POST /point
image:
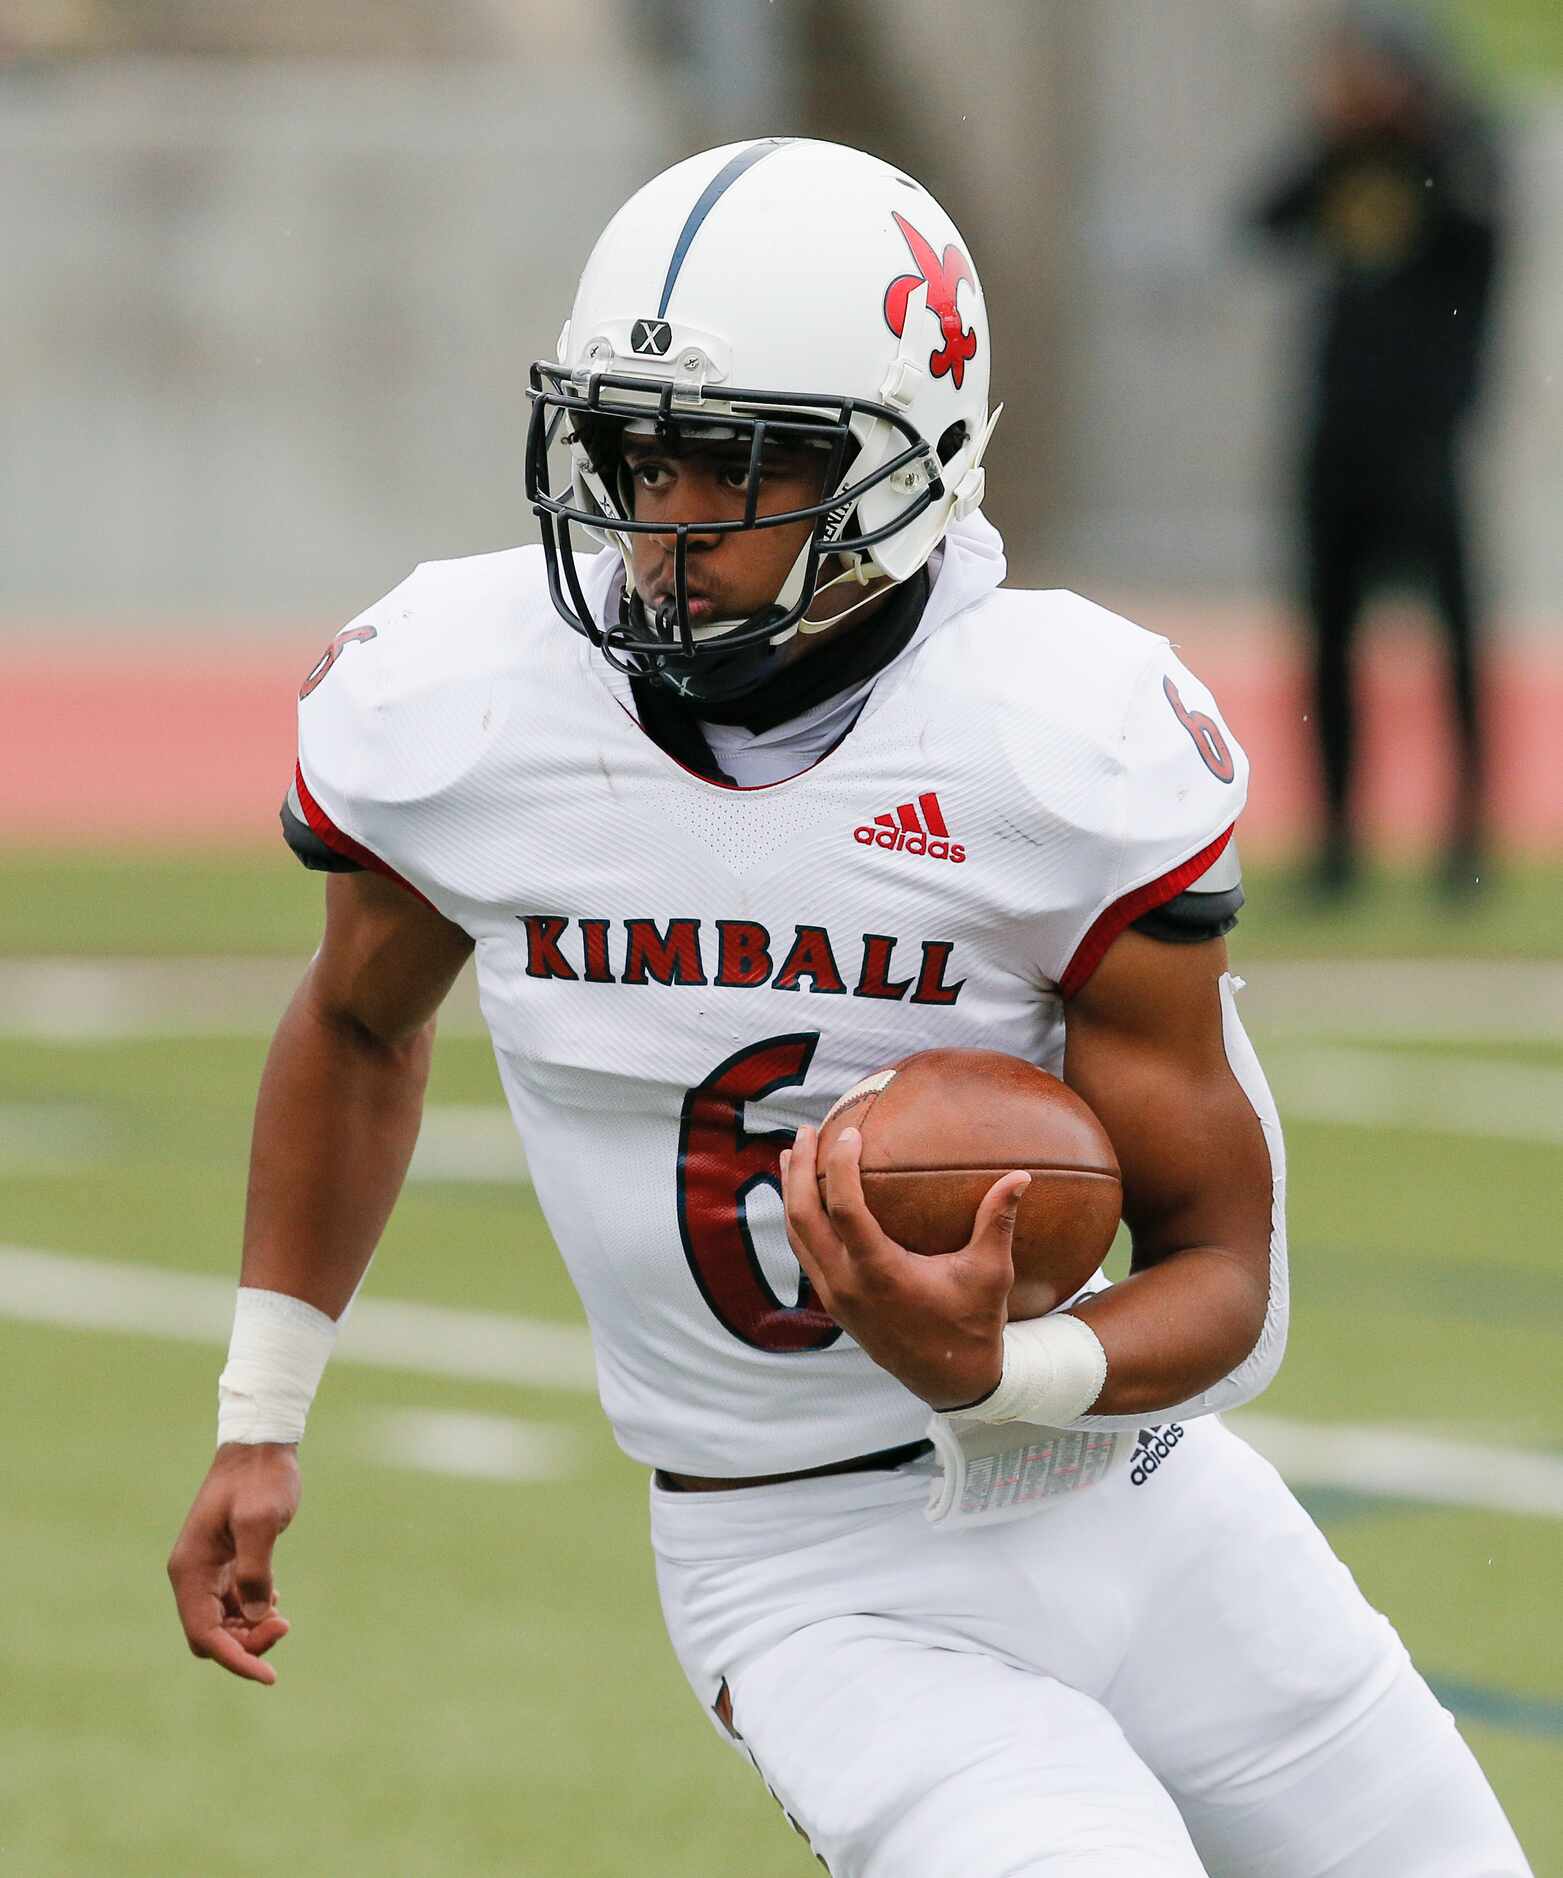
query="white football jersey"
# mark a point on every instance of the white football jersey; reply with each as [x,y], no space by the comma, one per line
[676,973]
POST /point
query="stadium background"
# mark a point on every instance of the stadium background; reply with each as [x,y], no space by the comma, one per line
[273,277]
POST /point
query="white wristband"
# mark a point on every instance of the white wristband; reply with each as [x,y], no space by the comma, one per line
[1054,1369]
[276,1358]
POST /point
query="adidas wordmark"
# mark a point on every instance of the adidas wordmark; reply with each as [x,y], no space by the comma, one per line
[903,831]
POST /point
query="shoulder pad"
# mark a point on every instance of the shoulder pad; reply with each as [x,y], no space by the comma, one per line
[399,718]
[1130,754]
[306,844]
[1207,909]
[1191,917]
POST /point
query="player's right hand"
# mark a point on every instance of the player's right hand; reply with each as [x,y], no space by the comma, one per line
[220,1566]
[936,1324]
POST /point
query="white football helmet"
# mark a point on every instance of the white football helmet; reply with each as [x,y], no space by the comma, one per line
[780,288]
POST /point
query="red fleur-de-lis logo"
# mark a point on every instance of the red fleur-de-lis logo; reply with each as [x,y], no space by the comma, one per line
[942,278]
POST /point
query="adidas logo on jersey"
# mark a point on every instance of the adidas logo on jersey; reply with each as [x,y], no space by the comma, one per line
[1152,1448]
[904,831]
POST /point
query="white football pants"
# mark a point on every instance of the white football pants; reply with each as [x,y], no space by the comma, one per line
[1153,1680]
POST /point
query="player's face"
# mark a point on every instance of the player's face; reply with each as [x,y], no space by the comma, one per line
[730,576]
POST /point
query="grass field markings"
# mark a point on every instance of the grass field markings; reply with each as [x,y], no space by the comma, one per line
[1345,1086]
[1449,1000]
[1397,1464]
[1498,1708]
[476,1142]
[459,1142]
[1466,1291]
[1384,1089]
[487,1346]
[190,1307]
[1342,1086]
[468,1141]
[1455,999]
[50,1137]
[55,1000]
[1334,1507]
[473,1447]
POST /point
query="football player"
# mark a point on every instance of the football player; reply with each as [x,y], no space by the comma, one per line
[805,788]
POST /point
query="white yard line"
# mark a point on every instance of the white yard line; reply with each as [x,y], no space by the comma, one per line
[57,1000]
[468,1142]
[91,1000]
[1426,1094]
[434,1340]
[458,1142]
[1441,1000]
[1391,1461]
[188,1307]
[1348,1087]
[473,1447]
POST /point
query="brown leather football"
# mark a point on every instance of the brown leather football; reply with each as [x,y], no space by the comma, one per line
[940,1127]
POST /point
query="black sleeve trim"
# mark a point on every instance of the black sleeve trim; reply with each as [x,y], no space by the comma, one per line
[308,846]
[1191,917]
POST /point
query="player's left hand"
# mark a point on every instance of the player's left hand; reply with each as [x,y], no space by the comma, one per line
[936,1324]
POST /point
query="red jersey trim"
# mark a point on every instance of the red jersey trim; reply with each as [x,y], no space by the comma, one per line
[1092,949]
[322,825]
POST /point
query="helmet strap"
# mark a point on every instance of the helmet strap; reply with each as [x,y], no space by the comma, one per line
[806,682]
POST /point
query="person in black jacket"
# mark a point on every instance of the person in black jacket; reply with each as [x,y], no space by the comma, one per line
[1399,194]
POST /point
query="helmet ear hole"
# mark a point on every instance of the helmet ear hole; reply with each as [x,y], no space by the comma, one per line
[952,440]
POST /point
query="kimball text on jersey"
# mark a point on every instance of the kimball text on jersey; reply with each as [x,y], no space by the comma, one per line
[739,954]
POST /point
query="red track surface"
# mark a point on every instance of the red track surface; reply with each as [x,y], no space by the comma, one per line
[156,742]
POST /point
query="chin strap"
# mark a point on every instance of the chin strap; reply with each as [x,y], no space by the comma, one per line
[877,583]
[966,496]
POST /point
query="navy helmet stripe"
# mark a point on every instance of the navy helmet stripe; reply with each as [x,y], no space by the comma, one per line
[718,186]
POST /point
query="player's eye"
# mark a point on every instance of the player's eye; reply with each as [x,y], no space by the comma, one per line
[650,474]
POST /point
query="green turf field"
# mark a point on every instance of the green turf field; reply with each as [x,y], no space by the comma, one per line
[477,1681]
[82,905]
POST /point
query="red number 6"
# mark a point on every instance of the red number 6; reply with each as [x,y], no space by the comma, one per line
[720,1163]
[1214,750]
[348,636]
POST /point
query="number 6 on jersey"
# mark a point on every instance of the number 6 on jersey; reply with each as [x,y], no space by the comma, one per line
[720,1163]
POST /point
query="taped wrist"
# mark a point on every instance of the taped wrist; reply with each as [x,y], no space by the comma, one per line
[1054,1369]
[276,1357]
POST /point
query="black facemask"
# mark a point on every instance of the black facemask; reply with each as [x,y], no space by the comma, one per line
[596,414]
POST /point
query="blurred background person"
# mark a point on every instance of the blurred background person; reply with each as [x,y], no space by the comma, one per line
[1399,192]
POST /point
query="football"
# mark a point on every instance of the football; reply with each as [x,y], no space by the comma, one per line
[940,1127]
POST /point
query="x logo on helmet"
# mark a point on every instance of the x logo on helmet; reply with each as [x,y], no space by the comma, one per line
[653,336]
